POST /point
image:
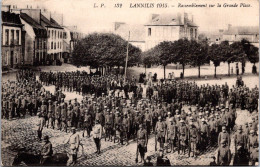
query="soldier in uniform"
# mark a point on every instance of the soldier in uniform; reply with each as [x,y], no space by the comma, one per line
[87,123]
[204,134]
[223,154]
[126,123]
[253,147]
[148,121]
[142,141]
[224,136]
[40,126]
[193,139]
[74,146]
[108,125]
[97,135]
[183,135]
[63,119]
[171,133]
[160,132]
[46,152]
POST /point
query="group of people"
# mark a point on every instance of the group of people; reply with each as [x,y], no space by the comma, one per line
[122,112]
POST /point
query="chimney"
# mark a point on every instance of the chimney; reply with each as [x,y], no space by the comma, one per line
[6,8]
[117,25]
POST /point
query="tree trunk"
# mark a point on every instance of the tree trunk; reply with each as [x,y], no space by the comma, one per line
[215,72]
[199,71]
[228,69]
[183,66]
[145,69]
[164,71]
[102,70]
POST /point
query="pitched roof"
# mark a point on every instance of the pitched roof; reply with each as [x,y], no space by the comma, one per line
[169,20]
[137,32]
[39,30]
[50,23]
[165,19]
[11,19]
[242,30]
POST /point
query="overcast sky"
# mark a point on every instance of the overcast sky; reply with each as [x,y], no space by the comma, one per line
[88,19]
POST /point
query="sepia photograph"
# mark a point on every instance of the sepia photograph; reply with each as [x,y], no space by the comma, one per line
[129,83]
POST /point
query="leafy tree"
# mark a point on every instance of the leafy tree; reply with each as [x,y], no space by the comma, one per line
[182,52]
[226,52]
[253,54]
[199,54]
[215,56]
[104,49]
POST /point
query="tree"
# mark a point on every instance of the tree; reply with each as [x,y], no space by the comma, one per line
[215,56]
[182,52]
[199,54]
[226,52]
[253,54]
[104,50]
[150,58]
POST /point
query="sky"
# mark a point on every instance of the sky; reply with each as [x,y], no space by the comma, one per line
[89,19]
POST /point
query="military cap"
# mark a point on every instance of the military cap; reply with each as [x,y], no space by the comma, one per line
[252,131]
[203,120]
[181,120]
[159,117]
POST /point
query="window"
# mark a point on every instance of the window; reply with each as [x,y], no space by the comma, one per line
[16,58]
[52,34]
[55,34]
[191,33]
[38,43]
[51,45]
[58,33]
[6,37]
[149,31]
[49,33]
[196,33]
[44,44]
[58,45]
[54,45]
[12,37]
[17,37]
[61,35]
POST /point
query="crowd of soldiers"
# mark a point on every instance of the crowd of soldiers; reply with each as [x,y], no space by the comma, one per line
[130,112]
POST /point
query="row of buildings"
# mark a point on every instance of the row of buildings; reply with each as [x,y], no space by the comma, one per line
[171,27]
[35,37]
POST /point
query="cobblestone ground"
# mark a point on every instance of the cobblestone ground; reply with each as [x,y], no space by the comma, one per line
[21,133]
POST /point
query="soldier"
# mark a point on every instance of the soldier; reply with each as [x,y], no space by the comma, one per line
[183,135]
[87,123]
[74,142]
[97,135]
[142,141]
[46,152]
[108,125]
[171,133]
[224,136]
[193,139]
[223,154]
[204,134]
[160,132]
[63,119]
[253,148]
[40,126]
[148,121]
[126,123]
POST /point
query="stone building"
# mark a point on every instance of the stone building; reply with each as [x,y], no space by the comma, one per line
[169,27]
[12,33]
[237,33]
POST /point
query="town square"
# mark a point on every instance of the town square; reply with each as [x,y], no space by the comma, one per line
[171,90]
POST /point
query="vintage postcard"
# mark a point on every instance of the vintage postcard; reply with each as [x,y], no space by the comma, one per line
[129,82]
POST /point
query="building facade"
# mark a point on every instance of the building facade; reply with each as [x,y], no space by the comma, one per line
[169,28]
[136,36]
[237,33]
[12,31]
[71,38]
[35,40]
[54,39]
